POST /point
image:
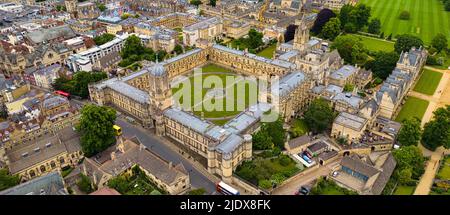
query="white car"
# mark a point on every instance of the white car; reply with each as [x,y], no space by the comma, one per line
[335,173]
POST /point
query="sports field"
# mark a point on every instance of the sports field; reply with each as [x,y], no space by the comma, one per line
[428,82]
[413,107]
[217,103]
[428,17]
[376,44]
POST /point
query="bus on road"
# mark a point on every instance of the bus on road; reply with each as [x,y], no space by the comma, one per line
[62,93]
[226,189]
[118,130]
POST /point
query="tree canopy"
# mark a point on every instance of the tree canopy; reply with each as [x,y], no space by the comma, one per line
[96,128]
[322,18]
[410,132]
[3,110]
[437,131]
[374,26]
[406,41]
[404,15]
[195,2]
[271,134]
[7,180]
[78,85]
[410,157]
[104,38]
[331,29]
[319,115]
[439,42]
[350,49]
[383,64]
[101,7]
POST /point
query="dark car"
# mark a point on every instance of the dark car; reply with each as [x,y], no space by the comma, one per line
[302,191]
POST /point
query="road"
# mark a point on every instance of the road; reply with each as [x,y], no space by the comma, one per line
[155,144]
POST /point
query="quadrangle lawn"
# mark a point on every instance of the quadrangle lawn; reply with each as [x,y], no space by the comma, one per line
[428,82]
[428,17]
[413,107]
[404,190]
[444,172]
[375,44]
[267,52]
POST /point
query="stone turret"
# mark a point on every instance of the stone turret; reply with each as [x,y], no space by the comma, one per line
[160,95]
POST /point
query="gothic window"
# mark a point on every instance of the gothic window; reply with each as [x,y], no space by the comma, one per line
[61,160]
[42,168]
[32,173]
[53,164]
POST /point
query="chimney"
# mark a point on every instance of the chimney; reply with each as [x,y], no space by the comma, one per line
[170,165]
[113,155]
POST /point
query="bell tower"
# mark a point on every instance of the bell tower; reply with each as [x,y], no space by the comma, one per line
[301,36]
[160,95]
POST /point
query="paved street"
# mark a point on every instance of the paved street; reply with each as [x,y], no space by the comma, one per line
[156,145]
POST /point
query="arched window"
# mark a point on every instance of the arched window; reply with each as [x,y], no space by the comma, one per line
[61,160]
[32,174]
[53,164]
[43,169]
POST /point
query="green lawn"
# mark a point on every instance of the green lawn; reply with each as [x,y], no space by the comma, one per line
[226,105]
[413,107]
[428,17]
[404,190]
[444,172]
[329,187]
[267,52]
[428,82]
[376,44]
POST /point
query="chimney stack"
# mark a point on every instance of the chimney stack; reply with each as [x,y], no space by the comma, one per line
[170,165]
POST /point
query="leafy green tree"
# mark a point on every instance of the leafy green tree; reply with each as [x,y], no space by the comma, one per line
[277,132]
[374,26]
[447,5]
[322,18]
[389,37]
[266,184]
[350,49]
[3,110]
[382,35]
[331,29]
[350,28]
[437,132]
[360,16]
[439,42]
[133,46]
[178,49]
[410,157]
[104,38]
[61,8]
[319,115]
[410,132]
[384,63]
[344,14]
[254,39]
[212,3]
[101,7]
[96,128]
[404,176]
[195,2]
[125,16]
[405,42]
[82,79]
[7,180]
[262,140]
[404,15]
[85,184]
[349,88]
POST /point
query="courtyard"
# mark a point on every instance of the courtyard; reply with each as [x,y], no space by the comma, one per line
[376,44]
[221,94]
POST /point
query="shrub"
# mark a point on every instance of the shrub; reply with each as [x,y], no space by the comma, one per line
[404,15]
[284,160]
[85,184]
[266,184]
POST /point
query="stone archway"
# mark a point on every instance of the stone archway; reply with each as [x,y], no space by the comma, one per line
[346,153]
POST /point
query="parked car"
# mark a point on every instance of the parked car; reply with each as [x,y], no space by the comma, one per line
[335,173]
[303,191]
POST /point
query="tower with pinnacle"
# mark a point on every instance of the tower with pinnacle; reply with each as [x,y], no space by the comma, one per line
[301,36]
[160,95]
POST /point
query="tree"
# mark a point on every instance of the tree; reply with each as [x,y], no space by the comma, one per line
[85,184]
[360,16]
[374,26]
[404,176]
[389,37]
[262,141]
[319,115]
[195,2]
[439,42]
[3,110]
[7,180]
[349,88]
[405,42]
[277,132]
[344,14]
[350,28]
[447,5]
[410,132]
[322,18]
[382,35]
[404,15]
[350,49]
[332,29]
[61,8]
[212,3]
[104,38]
[96,128]
[101,7]
[178,49]
[437,132]
[125,16]
[410,157]
[254,39]
[133,46]
[384,63]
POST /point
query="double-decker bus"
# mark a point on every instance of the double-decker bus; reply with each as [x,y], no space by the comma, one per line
[226,189]
[62,93]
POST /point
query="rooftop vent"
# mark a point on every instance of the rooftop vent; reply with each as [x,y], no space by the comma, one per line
[25,154]
[36,149]
[48,145]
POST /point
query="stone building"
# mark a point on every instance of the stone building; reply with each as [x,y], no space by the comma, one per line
[128,153]
[210,30]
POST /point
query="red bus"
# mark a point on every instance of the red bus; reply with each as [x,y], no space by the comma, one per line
[226,189]
[62,93]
